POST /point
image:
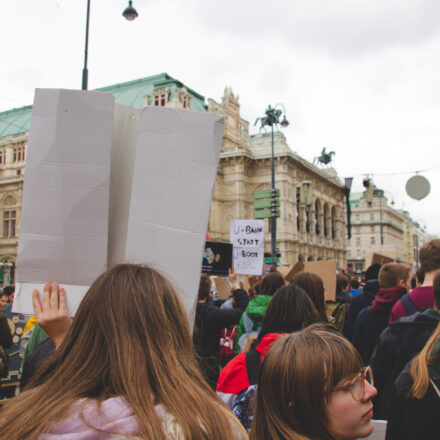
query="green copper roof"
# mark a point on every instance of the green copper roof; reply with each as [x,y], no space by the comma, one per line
[18,120]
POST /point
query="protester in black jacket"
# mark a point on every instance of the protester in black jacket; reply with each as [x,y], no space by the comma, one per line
[416,396]
[362,300]
[209,322]
[398,344]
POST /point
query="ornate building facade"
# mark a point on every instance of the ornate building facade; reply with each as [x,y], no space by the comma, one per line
[377,227]
[306,230]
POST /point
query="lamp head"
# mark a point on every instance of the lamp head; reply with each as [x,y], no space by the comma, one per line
[284,122]
[129,12]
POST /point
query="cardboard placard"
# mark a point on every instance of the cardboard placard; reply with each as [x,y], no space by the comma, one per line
[381,259]
[297,268]
[155,167]
[326,269]
[217,258]
[222,286]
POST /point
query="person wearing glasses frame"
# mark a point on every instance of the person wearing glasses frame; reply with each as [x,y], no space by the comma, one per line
[312,385]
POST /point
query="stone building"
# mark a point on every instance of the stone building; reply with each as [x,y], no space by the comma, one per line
[377,227]
[305,232]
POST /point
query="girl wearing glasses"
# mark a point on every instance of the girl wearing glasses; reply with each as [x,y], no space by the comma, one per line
[312,386]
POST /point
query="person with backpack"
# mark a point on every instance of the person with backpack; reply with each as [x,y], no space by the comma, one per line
[363,299]
[397,345]
[124,368]
[394,281]
[210,322]
[416,396]
[421,298]
[252,318]
[289,310]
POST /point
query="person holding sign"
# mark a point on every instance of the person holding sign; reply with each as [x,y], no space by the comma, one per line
[209,322]
[124,368]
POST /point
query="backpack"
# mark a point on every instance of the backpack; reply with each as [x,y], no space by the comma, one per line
[252,329]
[253,362]
[227,340]
[408,305]
[338,315]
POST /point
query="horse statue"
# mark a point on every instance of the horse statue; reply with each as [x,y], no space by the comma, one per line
[325,158]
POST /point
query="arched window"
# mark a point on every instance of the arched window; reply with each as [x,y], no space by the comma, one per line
[326,213]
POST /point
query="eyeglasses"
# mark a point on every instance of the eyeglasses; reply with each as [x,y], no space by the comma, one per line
[357,385]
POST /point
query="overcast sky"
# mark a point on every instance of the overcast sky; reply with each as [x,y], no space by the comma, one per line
[361,78]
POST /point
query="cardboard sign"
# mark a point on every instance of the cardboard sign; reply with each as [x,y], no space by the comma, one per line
[326,269]
[217,258]
[247,237]
[297,268]
[381,259]
[65,206]
[106,184]
[222,286]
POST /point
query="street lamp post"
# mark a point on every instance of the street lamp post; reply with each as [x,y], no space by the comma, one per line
[272,119]
[129,13]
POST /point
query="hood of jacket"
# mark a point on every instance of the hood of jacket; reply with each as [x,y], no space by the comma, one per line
[267,341]
[257,306]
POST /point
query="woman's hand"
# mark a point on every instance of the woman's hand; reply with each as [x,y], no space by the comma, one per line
[51,312]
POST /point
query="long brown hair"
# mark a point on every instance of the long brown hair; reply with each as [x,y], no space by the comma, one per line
[314,287]
[130,337]
[289,310]
[297,377]
[419,367]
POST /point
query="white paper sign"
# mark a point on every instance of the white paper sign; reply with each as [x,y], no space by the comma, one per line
[247,237]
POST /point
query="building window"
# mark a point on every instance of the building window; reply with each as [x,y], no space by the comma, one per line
[2,156]
[372,229]
[358,254]
[348,254]
[358,230]
[372,217]
[19,153]
[372,240]
[241,130]
[358,218]
[9,224]
[358,241]
[160,100]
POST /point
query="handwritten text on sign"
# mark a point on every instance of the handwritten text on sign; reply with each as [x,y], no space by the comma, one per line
[247,237]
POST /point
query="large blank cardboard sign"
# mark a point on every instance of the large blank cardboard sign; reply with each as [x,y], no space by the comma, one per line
[107,184]
[326,269]
[174,175]
[64,223]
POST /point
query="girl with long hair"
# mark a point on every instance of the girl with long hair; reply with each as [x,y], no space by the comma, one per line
[416,396]
[312,386]
[313,285]
[289,310]
[125,369]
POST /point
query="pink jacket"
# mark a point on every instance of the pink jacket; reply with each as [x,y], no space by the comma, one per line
[86,421]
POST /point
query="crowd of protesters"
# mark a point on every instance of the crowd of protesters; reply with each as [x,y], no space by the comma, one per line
[275,361]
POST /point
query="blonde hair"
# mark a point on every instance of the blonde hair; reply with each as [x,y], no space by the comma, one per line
[419,367]
[130,338]
[297,377]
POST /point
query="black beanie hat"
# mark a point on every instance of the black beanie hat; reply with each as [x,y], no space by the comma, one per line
[372,272]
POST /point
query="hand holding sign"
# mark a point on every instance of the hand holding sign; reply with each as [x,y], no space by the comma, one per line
[51,312]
